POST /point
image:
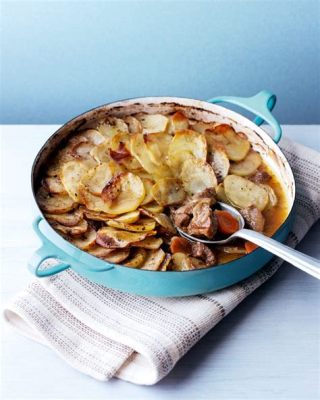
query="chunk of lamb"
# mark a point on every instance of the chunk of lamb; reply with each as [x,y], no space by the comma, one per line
[254,218]
[204,222]
[197,250]
[260,177]
[200,250]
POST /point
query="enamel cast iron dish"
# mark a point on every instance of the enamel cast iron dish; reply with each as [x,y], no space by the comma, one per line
[162,282]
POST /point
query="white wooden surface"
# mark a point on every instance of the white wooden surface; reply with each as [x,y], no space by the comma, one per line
[268,348]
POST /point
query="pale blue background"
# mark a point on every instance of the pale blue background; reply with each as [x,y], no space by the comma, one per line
[61,58]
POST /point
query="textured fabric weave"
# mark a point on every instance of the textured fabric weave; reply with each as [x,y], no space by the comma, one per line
[105,333]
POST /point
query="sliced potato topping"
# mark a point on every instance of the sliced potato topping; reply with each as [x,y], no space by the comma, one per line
[244,193]
[168,191]
[54,185]
[71,174]
[75,230]
[129,218]
[247,166]
[54,203]
[152,123]
[119,189]
[219,161]
[185,144]
[139,150]
[145,225]
[139,255]
[153,260]
[112,238]
[97,178]
[117,256]
[86,241]
[197,175]
[178,122]
[68,219]
[150,243]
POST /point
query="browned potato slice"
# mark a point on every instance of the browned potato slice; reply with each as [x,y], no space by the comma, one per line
[129,218]
[197,176]
[96,178]
[133,124]
[94,136]
[130,196]
[71,174]
[118,123]
[147,183]
[96,215]
[81,150]
[101,152]
[150,243]
[70,219]
[153,123]
[272,197]
[118,139]
[238,147]
[137,259]
[221,195]
[244,193]
[181,262]
[76,230]
[112,238]
[178,122]
[131,164]
[162,219]
[157,146]
[168,191]
[54,185]
[139,150]
[220,163]
[111,126]
[117,256]
[107,130]
[99,251]
[153,207]
[165,263]
[247,166]
[86,241]
[202,127]
[186,144]
[145,225]
[153,260]
[54,204]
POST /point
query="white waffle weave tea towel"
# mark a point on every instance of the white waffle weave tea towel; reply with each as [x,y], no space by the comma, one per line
[105,333]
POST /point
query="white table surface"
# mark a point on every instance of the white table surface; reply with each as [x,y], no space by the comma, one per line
[268,348]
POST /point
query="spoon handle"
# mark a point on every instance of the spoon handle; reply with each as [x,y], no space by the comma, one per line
[306,263]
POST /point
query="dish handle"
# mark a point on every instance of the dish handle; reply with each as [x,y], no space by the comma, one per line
[46,251]
[50,250]
[261,105]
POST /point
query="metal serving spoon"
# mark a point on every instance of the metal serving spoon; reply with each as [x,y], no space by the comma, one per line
[306,263]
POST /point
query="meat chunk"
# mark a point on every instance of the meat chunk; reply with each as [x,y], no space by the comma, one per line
[204,222]
[200,250]
[260,177]
[181,219]
[253,218]
[197,250]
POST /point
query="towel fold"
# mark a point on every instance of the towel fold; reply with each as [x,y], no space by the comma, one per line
[105,333]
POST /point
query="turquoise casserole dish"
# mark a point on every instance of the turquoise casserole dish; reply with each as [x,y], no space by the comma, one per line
[166,283]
